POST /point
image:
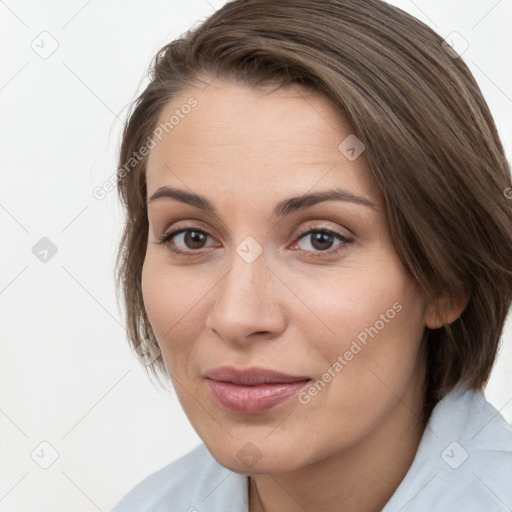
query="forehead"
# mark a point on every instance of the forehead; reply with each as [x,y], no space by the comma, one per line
[235,138]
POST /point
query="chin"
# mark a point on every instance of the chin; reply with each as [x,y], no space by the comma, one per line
[250,461]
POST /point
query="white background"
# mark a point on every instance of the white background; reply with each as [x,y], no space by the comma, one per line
[67,376]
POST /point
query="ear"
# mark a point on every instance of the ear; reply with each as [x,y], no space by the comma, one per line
[444,310]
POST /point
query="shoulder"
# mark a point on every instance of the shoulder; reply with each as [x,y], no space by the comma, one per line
[189,483]
[464,460]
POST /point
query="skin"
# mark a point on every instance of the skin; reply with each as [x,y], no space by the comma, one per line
[245,150]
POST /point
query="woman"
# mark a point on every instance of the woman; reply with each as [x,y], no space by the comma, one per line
[317,248]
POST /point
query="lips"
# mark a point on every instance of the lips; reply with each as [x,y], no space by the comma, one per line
[252,390]
[252,376]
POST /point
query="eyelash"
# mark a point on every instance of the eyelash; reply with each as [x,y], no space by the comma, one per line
[166,238]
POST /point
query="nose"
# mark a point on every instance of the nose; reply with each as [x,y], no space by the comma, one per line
[247,303]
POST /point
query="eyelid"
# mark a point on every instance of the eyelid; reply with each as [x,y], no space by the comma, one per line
[304,230]
[191,224]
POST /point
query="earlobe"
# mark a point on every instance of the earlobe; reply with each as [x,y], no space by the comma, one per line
[444,310]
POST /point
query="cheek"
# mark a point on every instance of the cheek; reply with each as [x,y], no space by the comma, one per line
[376,318]
[169,299]
[375,313]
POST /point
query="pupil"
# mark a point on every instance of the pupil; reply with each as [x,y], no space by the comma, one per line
[193,239]
[320,239]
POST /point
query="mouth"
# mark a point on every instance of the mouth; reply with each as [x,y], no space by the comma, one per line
[252,390]
[252,376]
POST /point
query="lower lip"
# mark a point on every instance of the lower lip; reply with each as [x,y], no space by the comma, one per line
[252,399]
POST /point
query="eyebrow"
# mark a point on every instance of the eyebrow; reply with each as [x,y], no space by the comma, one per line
[284,207]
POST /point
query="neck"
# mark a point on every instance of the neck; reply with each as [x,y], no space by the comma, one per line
[362,478]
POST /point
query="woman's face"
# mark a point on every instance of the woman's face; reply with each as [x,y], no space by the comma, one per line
[314,289]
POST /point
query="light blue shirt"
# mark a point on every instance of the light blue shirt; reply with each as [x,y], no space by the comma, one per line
[463,463]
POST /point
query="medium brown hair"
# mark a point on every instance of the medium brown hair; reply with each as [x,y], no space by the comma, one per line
[430,139]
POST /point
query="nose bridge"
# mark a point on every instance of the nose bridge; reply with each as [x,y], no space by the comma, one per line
[244,285]
[246,279]
[243,298]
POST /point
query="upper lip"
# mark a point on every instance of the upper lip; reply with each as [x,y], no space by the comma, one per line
[251,376]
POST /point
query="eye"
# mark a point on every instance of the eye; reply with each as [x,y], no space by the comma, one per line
[191,238]
[321,241]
